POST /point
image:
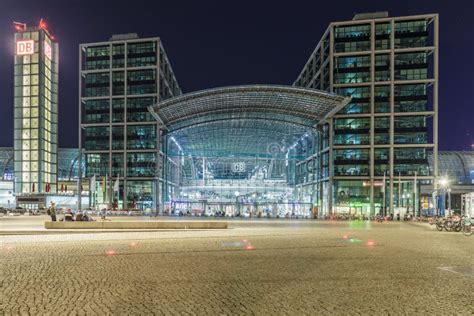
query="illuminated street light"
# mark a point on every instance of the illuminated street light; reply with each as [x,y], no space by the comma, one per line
[443,182]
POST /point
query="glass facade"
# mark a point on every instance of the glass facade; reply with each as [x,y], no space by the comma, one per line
[391,109]
[35,112]
[387,67]
[119,81]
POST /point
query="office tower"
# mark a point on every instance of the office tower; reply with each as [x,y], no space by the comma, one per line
[378,144]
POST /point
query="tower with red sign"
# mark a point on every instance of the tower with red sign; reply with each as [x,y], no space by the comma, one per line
[35,112]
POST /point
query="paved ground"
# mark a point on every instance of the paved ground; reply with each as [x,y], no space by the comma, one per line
[257,267]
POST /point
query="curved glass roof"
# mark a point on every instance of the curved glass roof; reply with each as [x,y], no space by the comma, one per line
[67,167]
[6,163]
[458,166]
[300,106]
[254,120]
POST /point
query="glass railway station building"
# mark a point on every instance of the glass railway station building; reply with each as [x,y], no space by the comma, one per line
[458,167]
[352,135]
[355,133]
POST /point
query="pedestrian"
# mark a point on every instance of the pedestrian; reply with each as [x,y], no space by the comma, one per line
[52,211]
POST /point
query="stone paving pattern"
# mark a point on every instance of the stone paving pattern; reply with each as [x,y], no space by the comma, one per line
[259,268]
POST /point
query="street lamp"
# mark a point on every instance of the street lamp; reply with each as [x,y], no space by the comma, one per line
[449,201]
[444,183]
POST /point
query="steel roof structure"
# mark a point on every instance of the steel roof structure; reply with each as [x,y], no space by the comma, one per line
[458,166]
[67,163]
[244,120]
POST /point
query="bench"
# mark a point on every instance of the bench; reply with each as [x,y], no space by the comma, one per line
[137,225]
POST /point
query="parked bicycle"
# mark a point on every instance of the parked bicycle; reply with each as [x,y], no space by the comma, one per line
[440,223]
[453,223]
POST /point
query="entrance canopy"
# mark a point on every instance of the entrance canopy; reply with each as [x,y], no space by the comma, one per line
[244,120]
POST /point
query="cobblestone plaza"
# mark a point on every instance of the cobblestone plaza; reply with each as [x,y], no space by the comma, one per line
[254,267]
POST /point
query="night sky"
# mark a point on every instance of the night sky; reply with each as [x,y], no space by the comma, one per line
[221,43]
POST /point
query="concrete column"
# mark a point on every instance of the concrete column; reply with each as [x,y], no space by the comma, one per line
[392,110]
[156,197]
[79,157]
[435,99]
[331,166]
[109,198]
[372,119]
[331,133]
[125,106]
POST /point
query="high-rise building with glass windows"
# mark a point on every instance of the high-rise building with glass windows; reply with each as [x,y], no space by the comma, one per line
[389,66]
[35,112]
[119,80]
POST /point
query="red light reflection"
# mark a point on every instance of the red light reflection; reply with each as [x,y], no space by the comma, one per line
[110,252]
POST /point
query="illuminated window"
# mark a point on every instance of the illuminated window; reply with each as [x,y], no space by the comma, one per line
[26,101]
[26,123]
[34,69]
[26,80]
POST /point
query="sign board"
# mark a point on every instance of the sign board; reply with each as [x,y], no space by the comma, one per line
[376,183]
[238,167]
[47,50]
[25,47]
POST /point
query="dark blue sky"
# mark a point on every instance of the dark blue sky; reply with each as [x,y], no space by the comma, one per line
[218,43]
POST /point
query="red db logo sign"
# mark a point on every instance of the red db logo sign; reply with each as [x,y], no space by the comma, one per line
[26,47]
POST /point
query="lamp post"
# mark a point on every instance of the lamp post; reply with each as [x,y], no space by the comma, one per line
[443,185]
[449,200]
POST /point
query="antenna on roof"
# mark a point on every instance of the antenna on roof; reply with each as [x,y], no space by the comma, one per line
[19,26]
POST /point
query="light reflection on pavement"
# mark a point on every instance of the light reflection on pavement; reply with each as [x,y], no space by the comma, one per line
[261,267]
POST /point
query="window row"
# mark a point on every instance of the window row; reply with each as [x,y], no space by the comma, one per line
[136,110]
[138,137]
[137,165]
